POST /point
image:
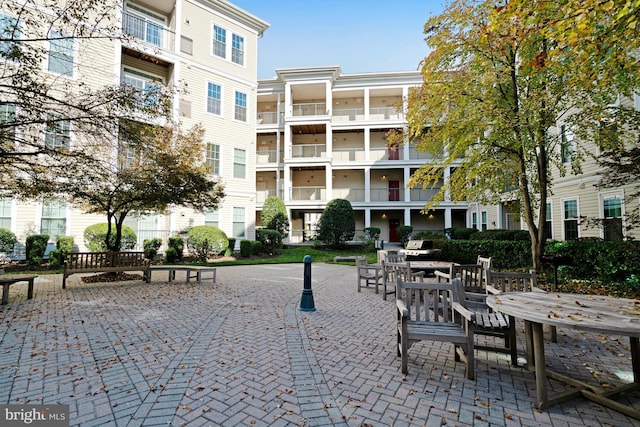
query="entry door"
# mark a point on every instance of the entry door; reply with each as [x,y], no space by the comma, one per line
[394,191]
[393,229]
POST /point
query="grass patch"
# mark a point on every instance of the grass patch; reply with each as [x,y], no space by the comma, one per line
[296,254]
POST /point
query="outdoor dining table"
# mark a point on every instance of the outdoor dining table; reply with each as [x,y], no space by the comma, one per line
[593,313]
[430,266]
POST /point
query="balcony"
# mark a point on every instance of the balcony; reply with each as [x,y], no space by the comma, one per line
[142,28]
[264,157]
[347,114]
[308,150]
[262,195]
[309,109]
[423,195]
[268,118]
[310,193]
[350,194]
[384,113]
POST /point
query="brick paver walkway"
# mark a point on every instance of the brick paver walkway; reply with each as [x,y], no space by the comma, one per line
[240,352]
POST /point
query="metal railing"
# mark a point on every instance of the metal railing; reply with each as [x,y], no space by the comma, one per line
[347,114]
[268,118]
[308,193]
[146,30]
[309,109]
[266,156]
[386,113]
[309,150]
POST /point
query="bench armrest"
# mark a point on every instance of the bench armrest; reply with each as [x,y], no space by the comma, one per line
[402,308]
[467,314]
[441,274]
[492,290]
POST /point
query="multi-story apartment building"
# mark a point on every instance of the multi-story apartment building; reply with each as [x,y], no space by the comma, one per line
[207,49]
[322,135]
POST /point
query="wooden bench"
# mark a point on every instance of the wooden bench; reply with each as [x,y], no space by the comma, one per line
[192,271]
[104,262]
[7,280]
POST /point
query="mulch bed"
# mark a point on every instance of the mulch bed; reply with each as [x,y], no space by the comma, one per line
[119,276]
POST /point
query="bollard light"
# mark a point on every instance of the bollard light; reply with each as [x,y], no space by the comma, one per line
[306,302]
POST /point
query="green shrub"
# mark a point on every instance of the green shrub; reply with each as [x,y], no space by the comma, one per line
[274,215]
[245,248]
[151,246]
[271,240]
[500,235]
[371,233]
[232,246]
[205,240]
[7,240]
[459,233]
[36,245]
[256,247]
[337,224]
[437,237]
[64,245]
[505,255]
[95,237]
[404,233]
[176,246]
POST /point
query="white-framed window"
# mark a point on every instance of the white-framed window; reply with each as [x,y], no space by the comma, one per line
[144,24]
[57,134]
[474,220]
[237,49]
[60,54]
[570,219]
[127,155]
[213,158]
[239,163]
[548,225]
[147,85]
[241,106]
[636,101]
[214,98]
[212,218]
[5,212]
[567,144]
[9,31]
[219,41]
[238,223]
[7,115]
[612,218]
[483,216]
[54,219]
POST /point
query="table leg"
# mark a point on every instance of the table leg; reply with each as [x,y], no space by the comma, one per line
[635,359]
[528,338]
[5,293]
[30,289]
[541,370]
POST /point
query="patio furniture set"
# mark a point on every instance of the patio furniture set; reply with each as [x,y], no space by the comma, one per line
[444,301]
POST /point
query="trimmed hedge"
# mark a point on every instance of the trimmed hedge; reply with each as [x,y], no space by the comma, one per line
[64,245]
[151,246]
[245,248]
[500,235]
[506,255]
[36,245]
[204,240]
[175,250]
[7,240]
[95,237]
[271,240]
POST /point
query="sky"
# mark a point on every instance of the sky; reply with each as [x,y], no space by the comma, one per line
[356,35]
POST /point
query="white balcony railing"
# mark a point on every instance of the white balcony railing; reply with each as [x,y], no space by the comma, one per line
[266,156]
[308,193]
[310,109]
[384,113]
[268,118]
[309,150]
[347,114]
[142,28]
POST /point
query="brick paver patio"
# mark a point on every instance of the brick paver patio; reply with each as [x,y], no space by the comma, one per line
[240,352]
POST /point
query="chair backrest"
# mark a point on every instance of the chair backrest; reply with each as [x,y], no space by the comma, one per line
[470,275]
[508,281]
[393,271]
[361,261]
[429,301]
[485,262]
[395,257]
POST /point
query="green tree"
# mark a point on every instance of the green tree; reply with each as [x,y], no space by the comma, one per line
[337,223]
[496,83]
[274,215]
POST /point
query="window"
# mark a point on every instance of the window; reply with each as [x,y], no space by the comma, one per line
[219,42]
[5,213]
[57,133]
[214,98]
[54,219]
[548,225]
[570,219]
[211,218]
[127,155]
[237,49]
[146,85]
[7,116]
[144,25]
[567,145]
[213,158]
[241,106]
[484,220]
[474,220]
[60,54]
[239,163]
[612,222]
[10,31]
[238,223]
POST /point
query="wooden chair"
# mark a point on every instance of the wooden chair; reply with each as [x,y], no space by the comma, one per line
[430,311]
[470,274]
[392,271]
[370,273]
[395,257]
[485,262]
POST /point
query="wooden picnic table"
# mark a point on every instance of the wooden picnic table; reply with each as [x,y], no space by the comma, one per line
[594,313]
[430,266]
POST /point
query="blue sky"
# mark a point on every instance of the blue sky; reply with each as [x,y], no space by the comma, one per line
[357,35]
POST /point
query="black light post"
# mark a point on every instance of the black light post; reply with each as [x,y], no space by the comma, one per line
[306,302]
